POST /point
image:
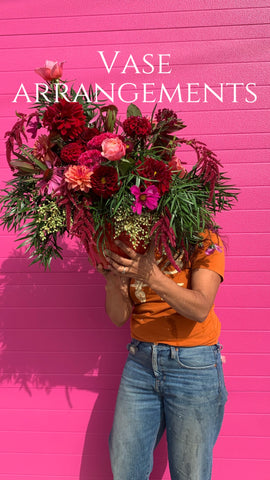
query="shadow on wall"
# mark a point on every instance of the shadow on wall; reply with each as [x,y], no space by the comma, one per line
[54,333]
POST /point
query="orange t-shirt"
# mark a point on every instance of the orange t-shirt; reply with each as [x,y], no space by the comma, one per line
[153,320]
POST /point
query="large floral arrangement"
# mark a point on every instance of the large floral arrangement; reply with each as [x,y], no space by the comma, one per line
[96,177]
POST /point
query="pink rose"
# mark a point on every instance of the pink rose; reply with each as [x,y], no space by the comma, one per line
[113,148]
[51,70]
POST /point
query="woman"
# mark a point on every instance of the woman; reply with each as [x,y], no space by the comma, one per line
[173,376]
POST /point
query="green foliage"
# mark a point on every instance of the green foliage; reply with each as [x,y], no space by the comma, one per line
[37,223]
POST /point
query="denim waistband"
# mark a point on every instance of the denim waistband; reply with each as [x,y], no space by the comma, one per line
[138,344]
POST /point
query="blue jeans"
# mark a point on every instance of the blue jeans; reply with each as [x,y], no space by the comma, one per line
[178,388]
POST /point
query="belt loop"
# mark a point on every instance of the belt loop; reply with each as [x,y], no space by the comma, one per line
[154,359]
[174,351]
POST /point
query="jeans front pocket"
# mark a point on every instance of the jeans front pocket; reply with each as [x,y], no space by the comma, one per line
[197,358]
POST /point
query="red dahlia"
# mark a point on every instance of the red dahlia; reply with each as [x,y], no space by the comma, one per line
[65,118]
[104,181]
[158,171]
[137,126]
[71,152]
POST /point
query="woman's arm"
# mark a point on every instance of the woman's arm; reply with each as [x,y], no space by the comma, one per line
[118,302]
[194,303]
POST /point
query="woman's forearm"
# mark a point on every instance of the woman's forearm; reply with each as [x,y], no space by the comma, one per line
[118,304]
[193,303]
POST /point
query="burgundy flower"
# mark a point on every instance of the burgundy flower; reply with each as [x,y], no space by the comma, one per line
[71,152]
[65,118]
[158,171]
[168,119]
[137,126]
[88,133]
[166,115]
[96,141]
[105,181]
[90,158]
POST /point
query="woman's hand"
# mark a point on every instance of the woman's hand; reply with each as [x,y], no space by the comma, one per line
[139,267]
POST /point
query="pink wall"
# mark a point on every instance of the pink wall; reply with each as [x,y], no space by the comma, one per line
[60,356]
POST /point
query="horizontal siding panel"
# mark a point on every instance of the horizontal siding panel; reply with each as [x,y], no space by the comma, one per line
[53,278]
[248,402]
[244,296]
[134,22]
[247,278]
[248,263]
[137,6]
[244,221]
[248,384]
[176,33]
[73,340]
[229,51]
[32,464]
[83,318]
[244,174]
[46,296]
[247,342]
[55,421]
[233,468]
[246,244]
[243,447]
[251,197]
[247,364]
[244,318]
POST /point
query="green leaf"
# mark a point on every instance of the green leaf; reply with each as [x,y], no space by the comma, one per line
[133,110]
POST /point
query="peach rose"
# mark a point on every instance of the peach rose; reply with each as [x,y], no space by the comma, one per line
[51,70]
[113,148]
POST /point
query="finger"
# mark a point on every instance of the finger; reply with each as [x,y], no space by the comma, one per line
[116,267]
[120,260]
[129,251]
[103,270]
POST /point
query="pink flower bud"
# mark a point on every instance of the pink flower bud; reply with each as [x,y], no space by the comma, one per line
[176,165]
[51,70]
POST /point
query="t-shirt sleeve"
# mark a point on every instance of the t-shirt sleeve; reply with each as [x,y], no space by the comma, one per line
[210,255]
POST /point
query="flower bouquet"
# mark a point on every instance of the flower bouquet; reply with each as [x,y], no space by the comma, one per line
[95,177]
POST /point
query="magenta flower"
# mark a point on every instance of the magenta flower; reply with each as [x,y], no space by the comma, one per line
[148,198]
[212,248]
[50,179]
